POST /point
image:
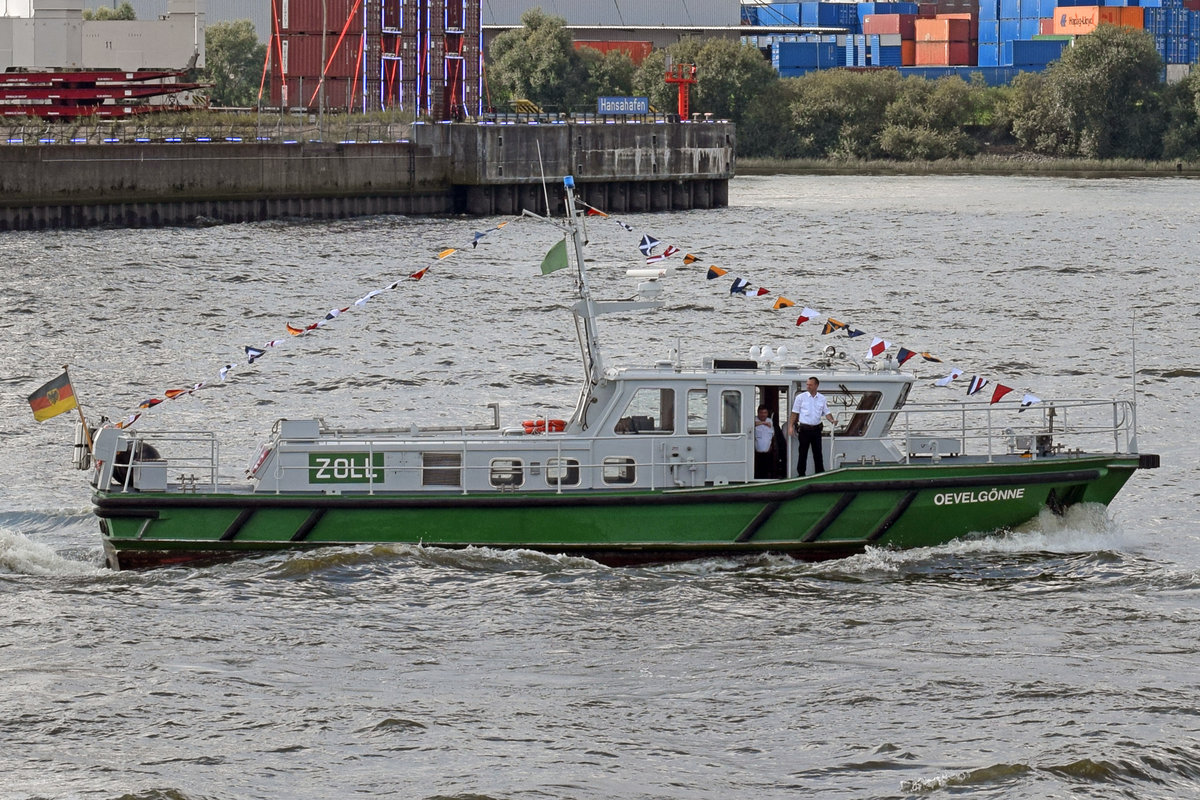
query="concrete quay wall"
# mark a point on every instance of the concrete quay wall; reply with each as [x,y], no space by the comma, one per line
[478,169]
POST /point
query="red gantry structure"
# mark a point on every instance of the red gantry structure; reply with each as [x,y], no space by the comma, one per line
[423,56]
[89,93]
[684,75]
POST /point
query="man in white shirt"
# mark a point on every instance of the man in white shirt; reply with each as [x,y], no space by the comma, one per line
[808,410]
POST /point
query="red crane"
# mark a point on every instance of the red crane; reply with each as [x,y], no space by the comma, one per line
[684,75]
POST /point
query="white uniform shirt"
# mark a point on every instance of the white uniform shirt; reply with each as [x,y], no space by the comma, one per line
[763,435]
[809,409]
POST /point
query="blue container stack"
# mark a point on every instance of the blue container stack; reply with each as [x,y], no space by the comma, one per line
[1176,30]
[792,59]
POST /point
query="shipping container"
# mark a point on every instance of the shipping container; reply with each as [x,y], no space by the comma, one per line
[989,10]
[1034,52]
[301,53]
[1010,29]
[1085,19]
[929,10]
[988,55]
[308,16]
[785,55]
[779,14]
[903,24]
[943,30]
[1010,9]
[1046,26]
[933,53]
[637,51]
[989,31]
[973,19]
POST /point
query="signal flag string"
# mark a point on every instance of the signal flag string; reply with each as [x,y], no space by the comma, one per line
[253,354]
[741,287]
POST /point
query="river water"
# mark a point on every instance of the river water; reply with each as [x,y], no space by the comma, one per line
[1060,660]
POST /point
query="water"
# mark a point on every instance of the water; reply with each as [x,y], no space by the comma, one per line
[1056,661]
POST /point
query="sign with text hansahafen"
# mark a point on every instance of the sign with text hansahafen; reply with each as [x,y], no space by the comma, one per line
[622,105]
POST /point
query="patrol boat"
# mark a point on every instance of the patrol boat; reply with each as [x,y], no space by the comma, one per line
[655,464]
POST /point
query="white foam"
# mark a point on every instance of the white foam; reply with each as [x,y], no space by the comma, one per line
[22,556]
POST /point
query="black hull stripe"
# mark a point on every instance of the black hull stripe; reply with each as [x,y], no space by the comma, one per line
[123,504]
[755,524]
[238,523]
[830,517]
[891,518]
[307,526]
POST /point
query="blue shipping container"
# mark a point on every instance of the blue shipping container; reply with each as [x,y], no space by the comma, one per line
[1040,52]
[779,14]
[1010,9]
[1010,29]
[989,32]
[1029,9]
[1155,21]
[989,55]
[794,72]
[1030,28]
[1006,53]
[989,9]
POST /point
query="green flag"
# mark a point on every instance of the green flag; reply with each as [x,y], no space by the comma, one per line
[556,258]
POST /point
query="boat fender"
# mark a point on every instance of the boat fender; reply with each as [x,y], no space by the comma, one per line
[544,425]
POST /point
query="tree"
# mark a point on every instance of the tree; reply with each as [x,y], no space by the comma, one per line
[1181,101]
[840,114]
[729,76]
[122,12]
[609,73]
[1100,100]
[539,62]
[927,120]
[233,63]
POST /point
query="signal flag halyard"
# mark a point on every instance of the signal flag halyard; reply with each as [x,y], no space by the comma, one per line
[53,398]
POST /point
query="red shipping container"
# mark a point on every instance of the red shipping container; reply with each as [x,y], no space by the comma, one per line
[973,19]
[302,54]
[1133,17]
[927,10]
[903,24]
[908,53]
[942,54]
[1046,26]
[637,51]
[943,30]
[305,16]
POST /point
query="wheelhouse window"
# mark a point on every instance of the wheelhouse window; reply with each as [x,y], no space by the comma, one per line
[731,411]
[619,469]
[562,471]
[441,469]
[697,411]
[650,411]
[860,403]
[507,473]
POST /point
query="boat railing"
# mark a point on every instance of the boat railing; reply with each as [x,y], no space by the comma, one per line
[955,428]
[152,460]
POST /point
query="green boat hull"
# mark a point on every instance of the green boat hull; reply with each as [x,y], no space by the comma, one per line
[831,515]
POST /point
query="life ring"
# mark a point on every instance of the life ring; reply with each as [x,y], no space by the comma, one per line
[544,425]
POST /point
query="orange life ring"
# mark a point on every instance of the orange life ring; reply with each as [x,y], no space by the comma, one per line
[544,425]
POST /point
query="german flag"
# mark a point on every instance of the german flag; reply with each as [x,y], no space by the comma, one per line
[53,399]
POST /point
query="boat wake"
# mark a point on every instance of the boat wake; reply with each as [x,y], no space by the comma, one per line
[20,555]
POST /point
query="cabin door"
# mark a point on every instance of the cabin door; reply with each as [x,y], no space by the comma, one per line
[730,447]
[775,463]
